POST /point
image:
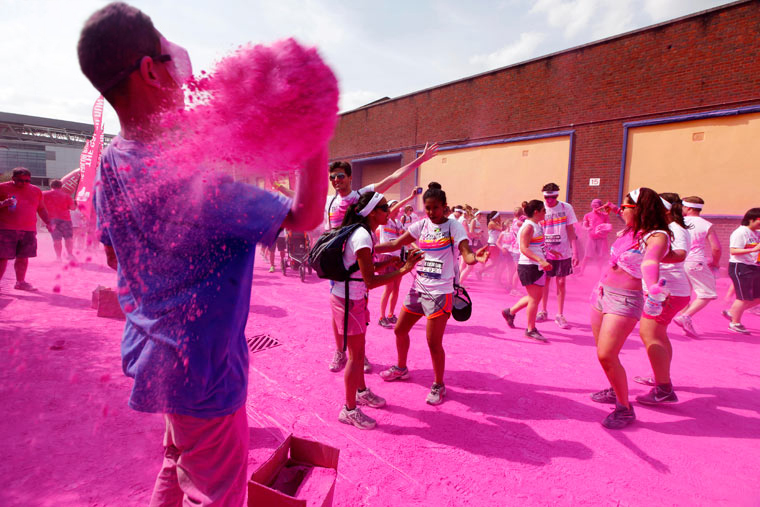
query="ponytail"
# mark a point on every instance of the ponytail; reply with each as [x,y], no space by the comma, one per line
[676,208]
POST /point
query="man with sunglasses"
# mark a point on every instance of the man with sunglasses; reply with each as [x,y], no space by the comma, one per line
[183,243]
[20,203]
[562,243]
[335,210]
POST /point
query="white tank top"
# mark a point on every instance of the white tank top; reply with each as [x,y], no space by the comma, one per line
[698,235]
[537,245]
[677,283]
[493,235]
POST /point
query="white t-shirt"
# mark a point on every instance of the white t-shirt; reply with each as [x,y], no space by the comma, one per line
[698,234]
[390,231]
[359,239]
[437,269]
[407,220]
[744,237]
[555,228]
[677,283]
[537,242]
[336,206]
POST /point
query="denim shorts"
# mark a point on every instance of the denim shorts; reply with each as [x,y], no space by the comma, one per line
[623,302]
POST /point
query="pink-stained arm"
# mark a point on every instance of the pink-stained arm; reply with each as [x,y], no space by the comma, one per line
[307,210]
[399,174]
[43,213]
[405,200]
[573,237]
[712,239]
[403,240]
[657,249]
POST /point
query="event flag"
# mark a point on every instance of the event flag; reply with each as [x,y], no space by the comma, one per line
[89,160]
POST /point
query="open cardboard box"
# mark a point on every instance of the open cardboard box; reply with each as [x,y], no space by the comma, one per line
[107,303]
[300,473]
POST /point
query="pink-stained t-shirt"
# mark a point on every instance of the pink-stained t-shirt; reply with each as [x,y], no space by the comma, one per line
[28,201]
[58,204]
[592,220]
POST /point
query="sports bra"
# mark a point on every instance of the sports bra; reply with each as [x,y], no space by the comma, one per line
[627,252]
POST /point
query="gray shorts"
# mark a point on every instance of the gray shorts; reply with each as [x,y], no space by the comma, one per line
[431,306]
[62,229]
[14,244]
[614,301]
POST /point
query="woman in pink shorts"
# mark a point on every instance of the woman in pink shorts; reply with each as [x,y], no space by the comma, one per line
[619,300]
[370,211]
[654,330]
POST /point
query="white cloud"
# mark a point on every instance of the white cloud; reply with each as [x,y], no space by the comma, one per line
[523,49]
[659,10]
[598,18]
[356,98]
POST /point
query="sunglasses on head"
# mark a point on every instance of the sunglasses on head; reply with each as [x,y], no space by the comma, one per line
[337,176]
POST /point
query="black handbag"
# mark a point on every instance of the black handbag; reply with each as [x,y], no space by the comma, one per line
[462,307]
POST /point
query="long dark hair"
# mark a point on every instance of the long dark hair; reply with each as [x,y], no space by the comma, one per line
[434,191]
[649,214]
[676,208]
[352,213]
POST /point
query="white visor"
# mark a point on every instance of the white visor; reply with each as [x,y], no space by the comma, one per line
[694,205]
[376,198]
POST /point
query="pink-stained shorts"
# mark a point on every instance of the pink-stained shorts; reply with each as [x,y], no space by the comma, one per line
[670,308]
[205,461]
[358,314]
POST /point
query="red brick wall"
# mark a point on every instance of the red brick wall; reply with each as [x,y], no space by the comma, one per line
[702,63]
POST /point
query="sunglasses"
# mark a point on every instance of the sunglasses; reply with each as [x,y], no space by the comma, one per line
[23,180]
[627,205]
[337,176]
[384,207]
[121,76]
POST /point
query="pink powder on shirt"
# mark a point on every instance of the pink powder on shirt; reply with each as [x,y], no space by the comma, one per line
[261,109]
[593,220]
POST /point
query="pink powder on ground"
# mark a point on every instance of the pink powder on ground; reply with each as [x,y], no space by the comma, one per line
[261,109]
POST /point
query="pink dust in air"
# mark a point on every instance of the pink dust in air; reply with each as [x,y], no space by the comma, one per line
[261,109]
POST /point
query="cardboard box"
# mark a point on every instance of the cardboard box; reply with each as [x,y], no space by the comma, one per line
[299,473]
[107,303]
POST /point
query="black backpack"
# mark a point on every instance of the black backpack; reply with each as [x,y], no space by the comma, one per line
[326,258]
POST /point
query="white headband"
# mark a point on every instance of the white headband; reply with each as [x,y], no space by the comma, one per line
[635,198]
[458,210]
[366,210]
[551,193]
[694,205]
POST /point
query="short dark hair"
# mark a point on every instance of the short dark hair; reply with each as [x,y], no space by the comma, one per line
[340,165]
[550,187]
[56,183]
[533,206]
[750,215]
[21,171]
[113,39]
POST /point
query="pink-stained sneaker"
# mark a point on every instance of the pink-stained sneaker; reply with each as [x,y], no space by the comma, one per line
[394,373]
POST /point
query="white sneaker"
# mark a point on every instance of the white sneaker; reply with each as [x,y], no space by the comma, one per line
[357,418]
[436,394]
[561,321]
[338,361]
[367,365]
[542,317]
[685,323]
[370,399]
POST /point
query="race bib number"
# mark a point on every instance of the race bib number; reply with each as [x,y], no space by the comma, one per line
[553,239]
[431,269]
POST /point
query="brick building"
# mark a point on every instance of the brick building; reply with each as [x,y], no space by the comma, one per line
[674,106]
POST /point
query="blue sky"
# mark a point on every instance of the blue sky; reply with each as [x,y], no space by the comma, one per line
[377,49]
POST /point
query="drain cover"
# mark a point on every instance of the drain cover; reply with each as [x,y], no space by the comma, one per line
[260,342]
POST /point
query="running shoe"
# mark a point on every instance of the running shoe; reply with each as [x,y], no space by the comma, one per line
[685,323]
[647,381]
[392,319]
[657,396]
[338,361]
[357,418]
[727,315]
[533,333]
[436,394]
[619,418]
[367,365]
[605,396]
[271,269]
[509,317]
[738,327]
[561,321]
[24,286]
[394,373]
[383,322]
[370,399]
[542,317]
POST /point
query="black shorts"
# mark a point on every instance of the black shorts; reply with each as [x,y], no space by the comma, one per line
[14,244]
[530,274]
[62,229]
[281,244]
[746,278]
[560,267]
